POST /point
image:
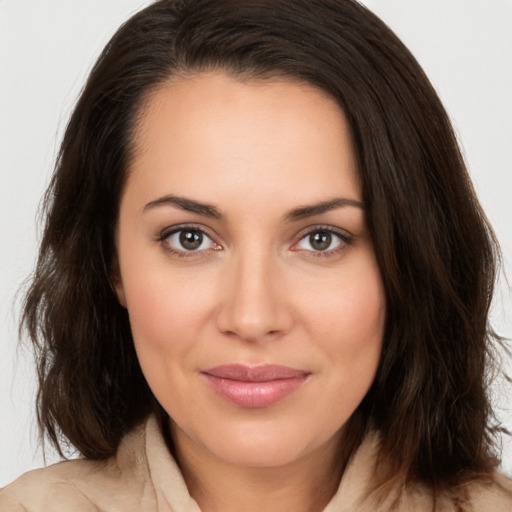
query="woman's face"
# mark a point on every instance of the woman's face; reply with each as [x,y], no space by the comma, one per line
[247,268]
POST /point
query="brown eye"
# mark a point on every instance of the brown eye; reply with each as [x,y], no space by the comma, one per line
[191,240]
[323,241]
[320,241]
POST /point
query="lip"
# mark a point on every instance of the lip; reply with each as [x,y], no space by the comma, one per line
[254,386]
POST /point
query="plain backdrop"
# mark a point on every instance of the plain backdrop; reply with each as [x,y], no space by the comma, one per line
[47,48]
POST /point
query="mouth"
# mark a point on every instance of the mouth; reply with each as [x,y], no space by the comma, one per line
[254,387]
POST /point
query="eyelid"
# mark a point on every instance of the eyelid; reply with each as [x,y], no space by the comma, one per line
[170,230]
[345,236]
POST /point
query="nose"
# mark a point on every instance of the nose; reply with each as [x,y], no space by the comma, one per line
[254,306]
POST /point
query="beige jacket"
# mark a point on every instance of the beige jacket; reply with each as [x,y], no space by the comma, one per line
[143,477]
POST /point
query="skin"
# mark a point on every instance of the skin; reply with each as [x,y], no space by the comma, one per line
[257,290]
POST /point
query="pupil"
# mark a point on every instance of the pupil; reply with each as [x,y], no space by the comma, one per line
[191,240]
[320,240]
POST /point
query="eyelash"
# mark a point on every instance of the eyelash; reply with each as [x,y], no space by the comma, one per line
[345,240]
[166,233]
[344,237]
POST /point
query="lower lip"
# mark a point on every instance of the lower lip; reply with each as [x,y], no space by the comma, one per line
[255,394]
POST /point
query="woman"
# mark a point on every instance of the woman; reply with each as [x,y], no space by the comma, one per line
[265,277]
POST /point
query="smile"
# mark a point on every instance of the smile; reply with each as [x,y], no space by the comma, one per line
[254,387]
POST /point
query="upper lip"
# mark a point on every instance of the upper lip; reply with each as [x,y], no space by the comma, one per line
[260,373]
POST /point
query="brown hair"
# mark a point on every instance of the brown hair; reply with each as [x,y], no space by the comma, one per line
[435,249]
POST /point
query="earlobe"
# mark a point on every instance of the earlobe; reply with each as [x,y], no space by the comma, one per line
[117,283]
[118,287]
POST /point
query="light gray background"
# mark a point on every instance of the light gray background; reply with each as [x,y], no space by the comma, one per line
[46,50]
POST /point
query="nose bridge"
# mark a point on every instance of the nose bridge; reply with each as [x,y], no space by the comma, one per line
[252,307]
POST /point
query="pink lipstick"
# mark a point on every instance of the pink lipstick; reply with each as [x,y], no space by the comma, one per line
[257,386]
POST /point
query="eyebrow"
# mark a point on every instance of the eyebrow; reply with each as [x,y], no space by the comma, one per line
[323,207]
[213,212]
[188,205]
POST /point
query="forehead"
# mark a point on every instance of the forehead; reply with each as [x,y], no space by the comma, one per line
[211,132]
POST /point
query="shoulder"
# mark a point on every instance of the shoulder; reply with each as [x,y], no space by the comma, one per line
[491,495]
[83,485]
[367,487]
[63,485]
[495,495]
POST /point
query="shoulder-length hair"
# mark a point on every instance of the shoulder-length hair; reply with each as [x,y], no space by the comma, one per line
[434,247]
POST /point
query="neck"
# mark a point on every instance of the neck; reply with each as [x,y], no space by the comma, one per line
[304,485]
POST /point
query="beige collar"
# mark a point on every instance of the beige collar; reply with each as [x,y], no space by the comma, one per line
[172,492]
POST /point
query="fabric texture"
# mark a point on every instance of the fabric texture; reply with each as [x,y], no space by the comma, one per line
[143,477]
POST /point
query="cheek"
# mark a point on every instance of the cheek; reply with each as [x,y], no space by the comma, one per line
[166,321]
[357,348]
[346,318]
[166,309]
[349,311]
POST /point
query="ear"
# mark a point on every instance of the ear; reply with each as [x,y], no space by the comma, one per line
[117,282]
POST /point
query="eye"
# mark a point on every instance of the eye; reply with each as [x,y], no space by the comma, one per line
[188,240]
[323,241]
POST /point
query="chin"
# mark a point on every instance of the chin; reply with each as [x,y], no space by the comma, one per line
[265,444]
[273,453]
